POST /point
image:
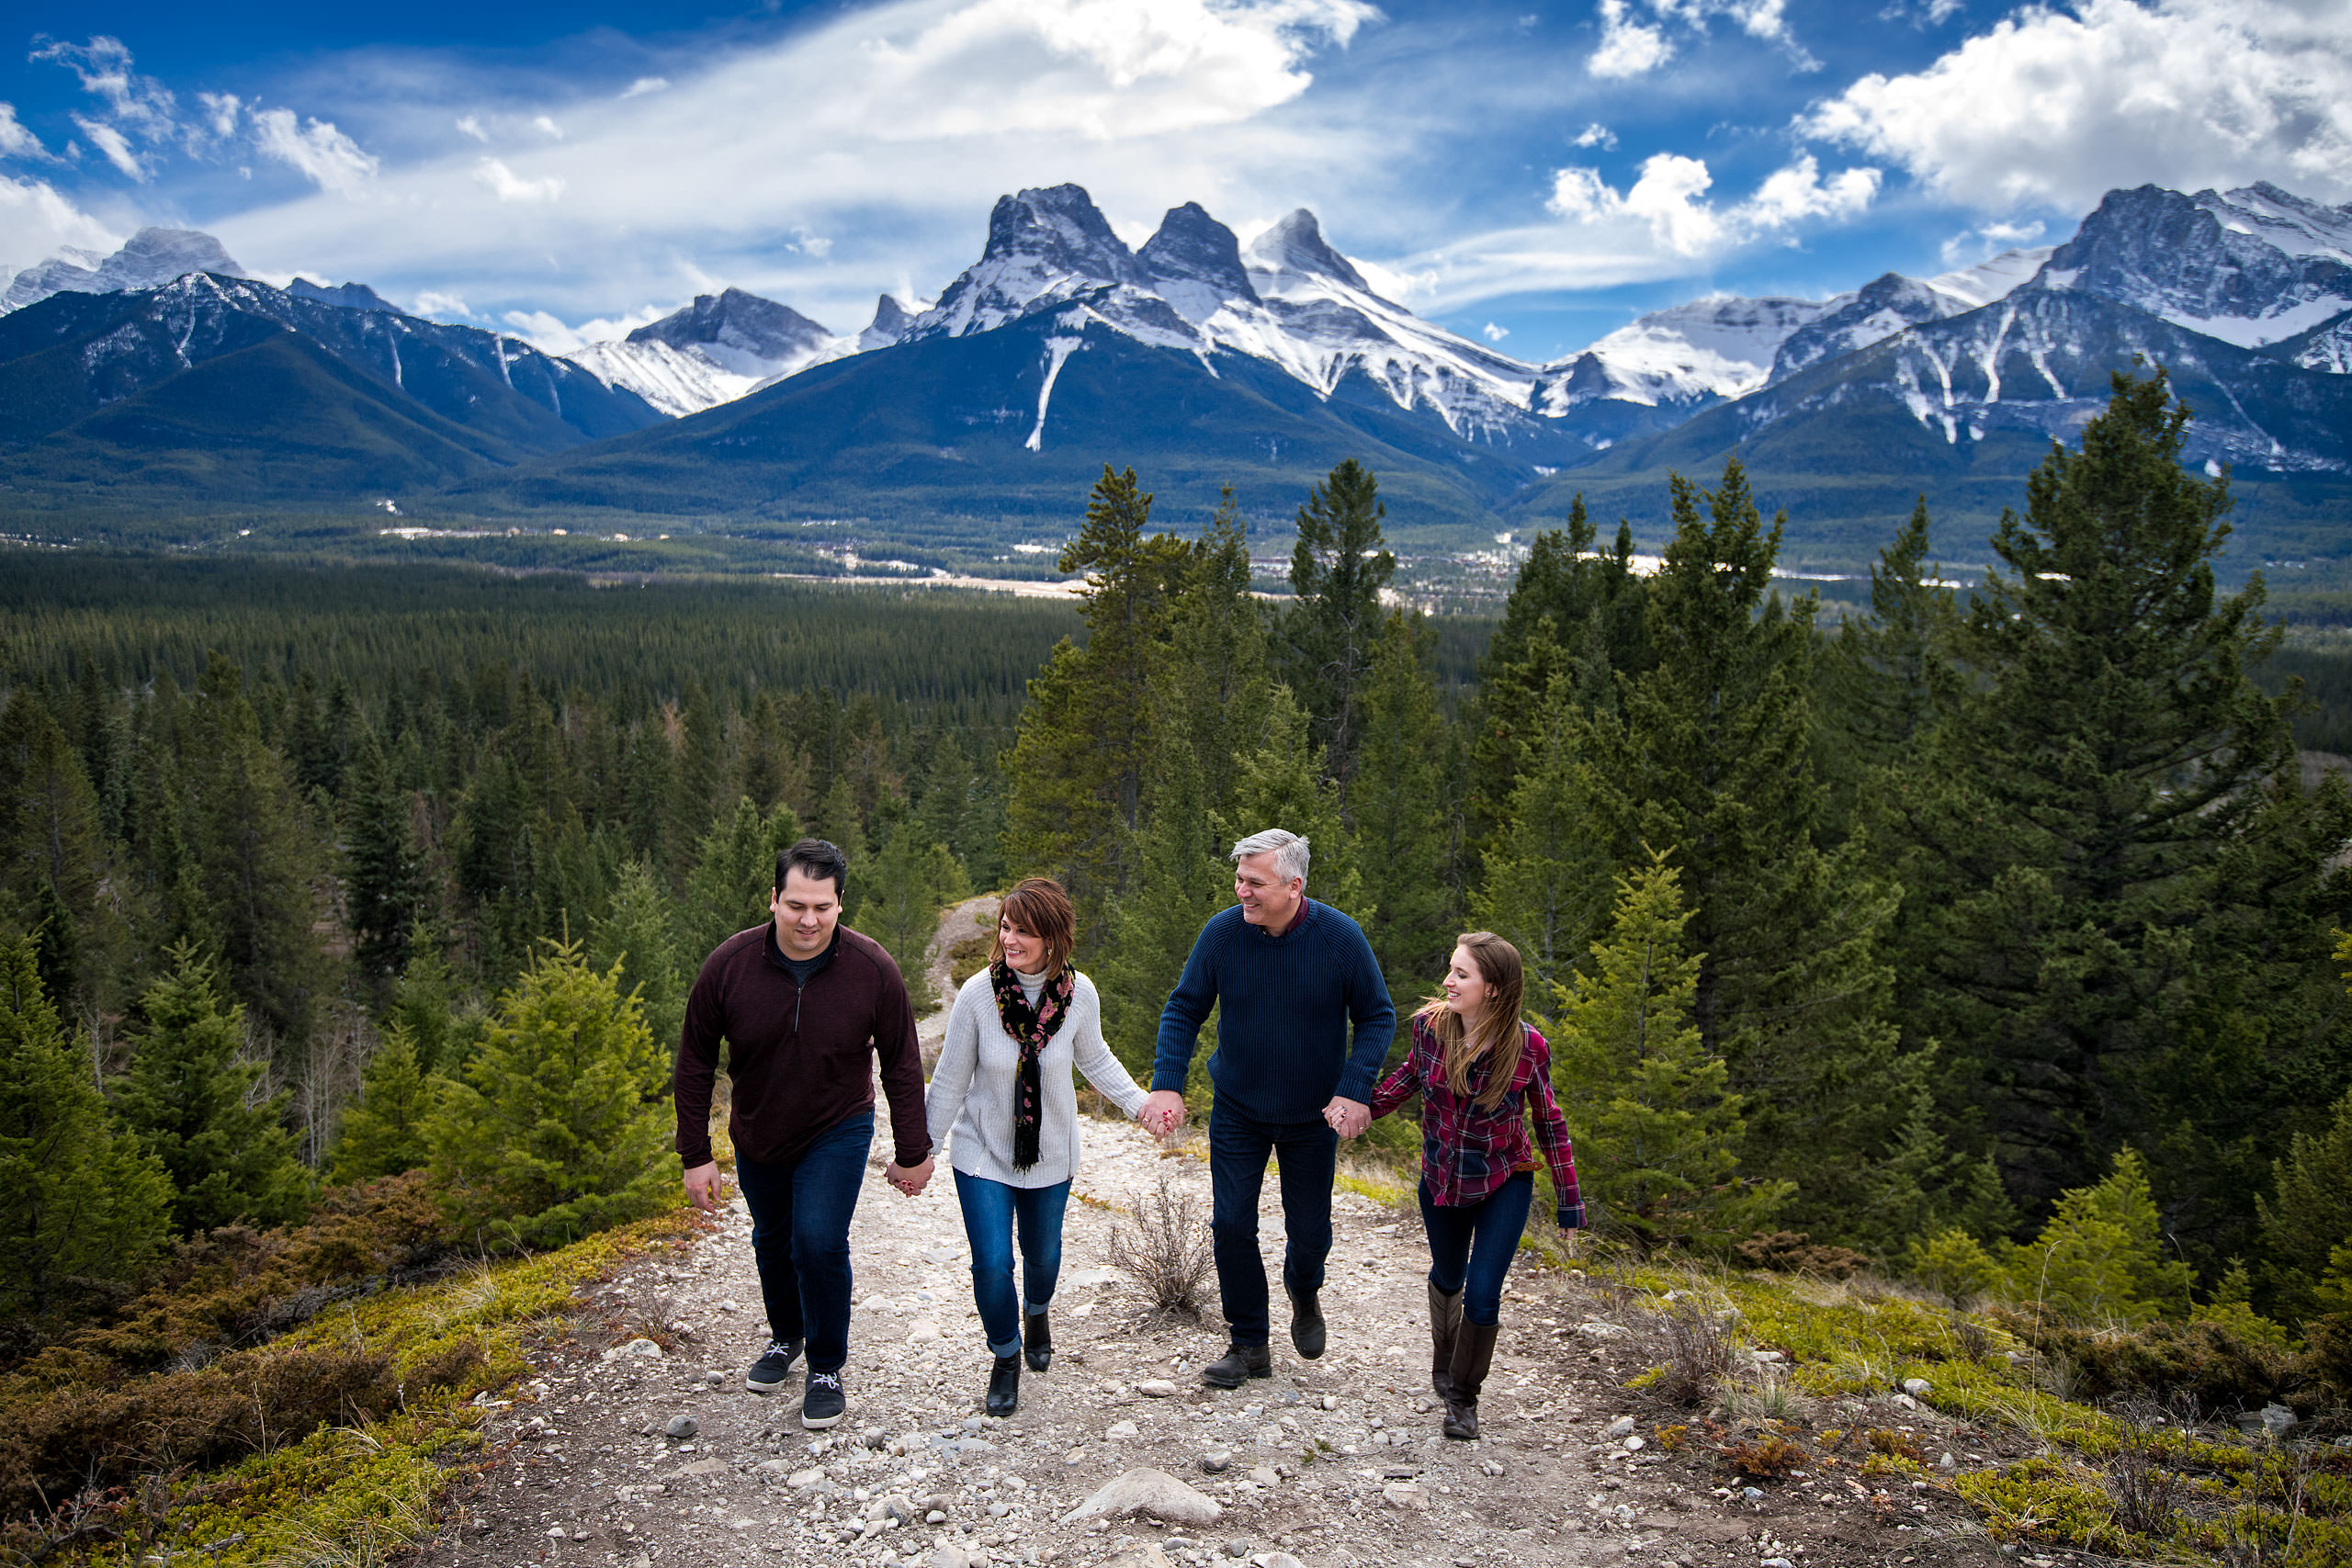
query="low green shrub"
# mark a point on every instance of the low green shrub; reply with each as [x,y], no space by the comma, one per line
[2208,1362]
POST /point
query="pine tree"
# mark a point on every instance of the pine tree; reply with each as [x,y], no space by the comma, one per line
[2309,1214]
[1081,753]
[557,1126]
[2103,1255]
[1890,675]
[427,1007]
[1281,783]
[383,1134]
[1400,813]
[841,823]
[1337,572]
[2092,947]
[912,878]
[193,1100]
[79,1201]
[260,864]
[733,880]
[1657,1133]
[636,938]
[1547,884]
[55,861]
[387,893]
[1208,704]
[1712,761]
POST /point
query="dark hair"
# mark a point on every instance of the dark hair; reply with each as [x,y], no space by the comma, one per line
[1038,906]
[817,860]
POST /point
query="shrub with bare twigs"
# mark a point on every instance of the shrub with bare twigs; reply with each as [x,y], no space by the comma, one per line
[2147,1494]
[1168,1252]
[1697,1357]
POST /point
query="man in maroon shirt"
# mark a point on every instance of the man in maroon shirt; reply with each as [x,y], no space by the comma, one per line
[806,1005]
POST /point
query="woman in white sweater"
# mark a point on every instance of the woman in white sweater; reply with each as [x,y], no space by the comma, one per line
[1003,1085]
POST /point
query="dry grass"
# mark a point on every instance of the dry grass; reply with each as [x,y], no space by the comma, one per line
[1698,1354]
[2147,1495]
[1166,1251]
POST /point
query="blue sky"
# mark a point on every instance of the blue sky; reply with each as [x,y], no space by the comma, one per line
[1537,175]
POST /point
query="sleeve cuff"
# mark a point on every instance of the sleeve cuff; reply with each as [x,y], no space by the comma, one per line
[1161,1081]
[693,1158]
[1358,1090]
[1570,1217]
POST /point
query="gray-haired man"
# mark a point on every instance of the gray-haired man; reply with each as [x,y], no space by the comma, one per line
[1288,975]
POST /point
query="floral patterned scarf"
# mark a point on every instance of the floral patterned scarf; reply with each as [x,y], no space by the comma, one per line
[1030,1027]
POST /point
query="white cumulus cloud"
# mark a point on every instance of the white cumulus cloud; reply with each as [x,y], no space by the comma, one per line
[114,145]
[1668,200]
[331,160]
[2055,108]
[470,125]
[40,222]
[1634,39]
[1628,48]
[106,70]
[1494,334]
[550,335]
[1596,135]
[507,186]
[643,86]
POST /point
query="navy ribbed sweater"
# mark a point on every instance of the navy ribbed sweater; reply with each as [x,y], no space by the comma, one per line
[1284,1006]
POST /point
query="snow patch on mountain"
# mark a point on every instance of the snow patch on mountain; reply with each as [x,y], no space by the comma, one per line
[1996,279]
[1721,346]
[720,347]
[150,258]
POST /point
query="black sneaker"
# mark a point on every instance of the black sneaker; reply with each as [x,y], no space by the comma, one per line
[1306,1329]
[767,1373]
[823,1404]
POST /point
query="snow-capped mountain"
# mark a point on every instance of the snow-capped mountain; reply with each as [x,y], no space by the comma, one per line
[1292,302]
[348,296]
[2249,266]
[712,352]
[890,323]
[151,256]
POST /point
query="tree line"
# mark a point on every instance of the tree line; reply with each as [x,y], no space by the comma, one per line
[1984,913]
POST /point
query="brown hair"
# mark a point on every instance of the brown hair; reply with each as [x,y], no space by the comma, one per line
[1038,906]
[1495,1032]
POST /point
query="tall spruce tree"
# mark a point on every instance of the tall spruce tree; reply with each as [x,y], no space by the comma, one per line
[1891,675]
[2097,936]
[80,1202]
[1402,815]
[383,1132]
[1081,756]
[1712,762]
[1337,572]
[1659,1134]
[55,861]
[387,886]
[193,1100]
[733,878]
[636,937]
[1208,704]
[912,878]
[1546,882]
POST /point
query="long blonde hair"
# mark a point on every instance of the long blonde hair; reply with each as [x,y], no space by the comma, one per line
[1494,1034]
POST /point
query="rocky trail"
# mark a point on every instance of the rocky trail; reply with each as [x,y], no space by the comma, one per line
[622,1451]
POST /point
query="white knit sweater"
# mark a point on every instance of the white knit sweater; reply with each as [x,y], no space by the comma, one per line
[972,1086]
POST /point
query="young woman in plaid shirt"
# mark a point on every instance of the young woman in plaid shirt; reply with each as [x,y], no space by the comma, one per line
[1482,1075]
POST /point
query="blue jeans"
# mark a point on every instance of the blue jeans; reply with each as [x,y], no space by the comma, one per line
[1310,1155]
[800,1215]
[1471,1247]
[991,1210]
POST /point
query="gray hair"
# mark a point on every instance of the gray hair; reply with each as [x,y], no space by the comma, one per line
[1288,848]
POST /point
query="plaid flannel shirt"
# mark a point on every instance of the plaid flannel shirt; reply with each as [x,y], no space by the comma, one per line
[1467,1149]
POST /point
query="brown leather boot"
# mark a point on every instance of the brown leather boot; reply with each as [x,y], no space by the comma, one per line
[1474,1352]
[1445,1323]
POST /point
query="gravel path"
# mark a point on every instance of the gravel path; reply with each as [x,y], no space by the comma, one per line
[1334,1462]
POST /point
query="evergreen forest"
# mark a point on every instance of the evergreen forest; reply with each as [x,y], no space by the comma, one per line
[1993,935]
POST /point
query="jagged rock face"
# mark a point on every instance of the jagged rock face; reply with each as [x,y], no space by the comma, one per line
[348,296]
[1879,309]
[745,323]
[152,257]
[1194,263]
[1045,247]
[2250,267]
[890,323]
[1296,245]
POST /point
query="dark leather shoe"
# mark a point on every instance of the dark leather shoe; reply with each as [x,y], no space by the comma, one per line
[1238,1365]
[1036,1342]
[1306,1322]
[1004,1386]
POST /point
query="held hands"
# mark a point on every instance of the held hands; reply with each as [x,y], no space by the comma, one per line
[1348,1118]
[704,1188]
[1162,1113]
[910,1180]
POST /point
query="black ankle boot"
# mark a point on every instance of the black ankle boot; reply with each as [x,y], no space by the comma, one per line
[1306,1322]
[1004,1386]
[1238,1365]
[1038,1341]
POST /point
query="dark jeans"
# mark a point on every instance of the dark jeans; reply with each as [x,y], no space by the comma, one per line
[990,1210]
[1238,1144]
[1471,1247]
[800,1215]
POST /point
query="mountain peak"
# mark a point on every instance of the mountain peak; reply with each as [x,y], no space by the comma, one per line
[734,324]
[1194,263]
[1296,244]
[150,258]
[1060,227]
[890,323]
[348,296]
